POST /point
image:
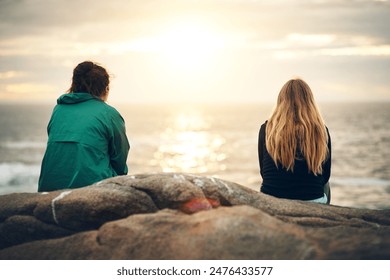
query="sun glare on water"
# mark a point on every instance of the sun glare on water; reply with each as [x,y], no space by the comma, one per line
[187,146]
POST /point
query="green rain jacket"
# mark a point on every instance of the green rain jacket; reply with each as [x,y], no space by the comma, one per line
[86,143]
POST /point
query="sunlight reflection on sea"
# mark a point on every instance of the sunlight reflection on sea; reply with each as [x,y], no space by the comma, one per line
[189,146]
[214,140]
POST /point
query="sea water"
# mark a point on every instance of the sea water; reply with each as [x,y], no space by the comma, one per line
[214,140]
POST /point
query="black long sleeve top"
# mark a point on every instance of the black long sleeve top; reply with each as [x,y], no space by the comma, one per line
[300,184]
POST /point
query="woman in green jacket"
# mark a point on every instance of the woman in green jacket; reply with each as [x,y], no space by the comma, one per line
[86,137]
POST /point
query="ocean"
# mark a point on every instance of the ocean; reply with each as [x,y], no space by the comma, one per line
[214,140]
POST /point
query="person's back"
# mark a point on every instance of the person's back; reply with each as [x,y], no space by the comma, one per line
[86,143]
[295,148]
[300,184]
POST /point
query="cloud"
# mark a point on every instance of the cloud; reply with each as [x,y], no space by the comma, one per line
[121,21]
[7,75]
[42,40]
[382,50]
[28,88]
[100,19]
[27,91]
[297,45]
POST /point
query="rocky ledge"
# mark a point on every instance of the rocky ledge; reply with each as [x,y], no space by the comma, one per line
[182,216]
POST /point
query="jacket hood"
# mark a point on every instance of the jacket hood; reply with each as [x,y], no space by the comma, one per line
[76,97]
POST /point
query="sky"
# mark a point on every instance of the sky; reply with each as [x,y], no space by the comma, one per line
[197,51]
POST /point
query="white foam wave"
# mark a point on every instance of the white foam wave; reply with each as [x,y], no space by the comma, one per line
[18,177]
[24,145]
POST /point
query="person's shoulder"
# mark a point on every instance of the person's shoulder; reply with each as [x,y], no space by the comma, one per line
[262,129]
[327,131]
[112,111]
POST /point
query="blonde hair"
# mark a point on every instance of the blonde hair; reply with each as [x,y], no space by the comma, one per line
[296,129]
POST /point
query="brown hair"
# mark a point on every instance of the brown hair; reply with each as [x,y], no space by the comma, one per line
[91,78]
[296,128]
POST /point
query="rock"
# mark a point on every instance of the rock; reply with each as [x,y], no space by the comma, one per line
[182,216]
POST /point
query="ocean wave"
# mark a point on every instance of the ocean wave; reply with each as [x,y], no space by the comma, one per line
[360,181]
[18,177]
[366,192]
[23,145]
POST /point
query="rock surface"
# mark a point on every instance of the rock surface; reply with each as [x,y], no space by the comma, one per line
[182,216]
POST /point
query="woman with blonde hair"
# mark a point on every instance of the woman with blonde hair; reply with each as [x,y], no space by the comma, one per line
[295,148]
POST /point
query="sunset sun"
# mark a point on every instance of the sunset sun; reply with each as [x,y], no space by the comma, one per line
[190,44]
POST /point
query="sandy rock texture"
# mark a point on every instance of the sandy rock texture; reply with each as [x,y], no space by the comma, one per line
[184,216]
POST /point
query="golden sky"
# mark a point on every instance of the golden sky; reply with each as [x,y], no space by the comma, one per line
[197,50]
